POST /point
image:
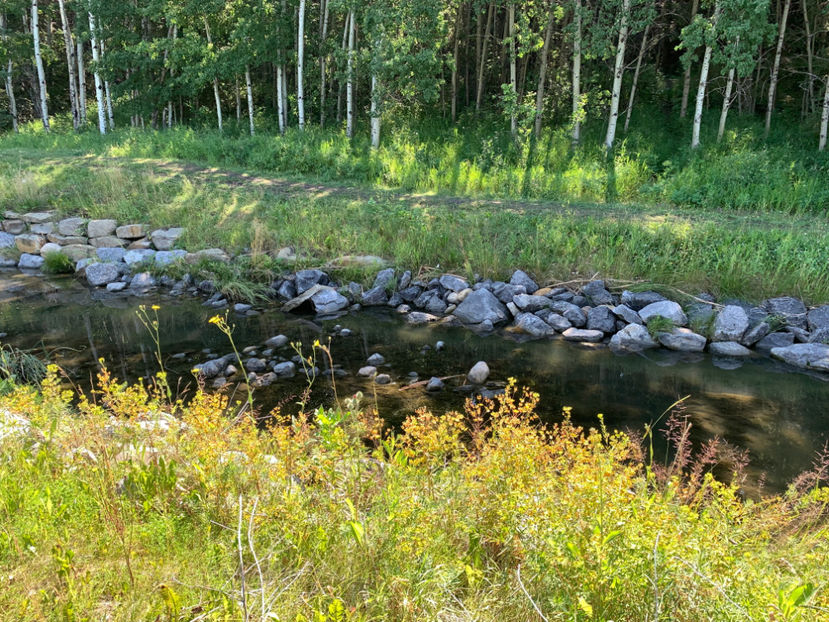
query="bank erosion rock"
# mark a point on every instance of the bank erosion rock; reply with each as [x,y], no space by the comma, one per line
[481,306]
[804,355]
[665,308]
[479,373]
[632,338]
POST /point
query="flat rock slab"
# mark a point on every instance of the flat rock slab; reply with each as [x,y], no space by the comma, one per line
[532,325]
[36,218]
[72,226]
[804,355]
[664,308]
[164,239]
[583,335]
[328,300]
[100,228]
[29,243]
[632,338]
[729,348]
[30,262]
[302,298]
[682,340]
[98,274]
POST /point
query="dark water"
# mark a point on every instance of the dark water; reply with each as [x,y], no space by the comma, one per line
[775,413]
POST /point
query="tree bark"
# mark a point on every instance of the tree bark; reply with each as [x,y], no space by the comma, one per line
[70,63]
[238,98]
[703,82]
[215,79]
[41,75]
[457,36]
[250,98]
[618,73]
[323,36]
[636,77]
[482,63]
[108,96]
[577,76]
[775,71]
[349,85]
[280,108]
[726,103]
[824,117]
[542,74]
[686,81]
[81,80]
[375,113]
[513,78]
[300,46]
[810,89]
[99,86]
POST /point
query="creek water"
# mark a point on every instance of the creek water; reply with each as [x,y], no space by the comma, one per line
[777,414]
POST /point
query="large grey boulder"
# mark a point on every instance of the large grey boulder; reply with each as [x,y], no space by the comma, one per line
[532,325]
[570,312]
[76,252]
[601,318]
[110,241]
[792,310]
[481,306]
[453,283]
[29,243]
[38,218]
[98,274]
[640,300]
[755,334]
[530,303]
[328,300]
[131,231]
[50,247]
[72,227]
[559,322]
[731,324]
[664,308]
[626,314]
[818,318]
[138,256]
[522,279]
[729,348]
[384,279]
[164,258]
[306,279]
[804,355]
[100,228]
[285,370]
[141,281]
[774,340]
[479,373]
[682,340]
[583,335]
[14,226]
[596,293]
[6,240]
[374,297]
[28,261]
[165,239]
[632,338]
[110,254]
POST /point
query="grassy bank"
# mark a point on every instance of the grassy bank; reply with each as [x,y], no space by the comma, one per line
[727,252]
[478,515]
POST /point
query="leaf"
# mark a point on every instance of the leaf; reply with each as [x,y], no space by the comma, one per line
[357,531]
[585,606]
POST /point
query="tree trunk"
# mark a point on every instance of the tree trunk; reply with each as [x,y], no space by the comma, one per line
[636,77]
[686,82]
[280,108]
[323,36]
[300,47]
[238,98]
[458,25]
[726,103]
[513,78]
[81,81]
[618,73]
[703,82]
[776,67]
[70,63]
[349,85]
[215,79]
[9,83]
[108,96]
[375,114]
[577,76]
[824,117]
[41,76]
[810,88]
[482,63]
[250,98]
[542,74]
[99,85]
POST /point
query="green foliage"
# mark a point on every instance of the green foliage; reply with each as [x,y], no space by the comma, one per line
[19,366]
[659,324]
[57,263]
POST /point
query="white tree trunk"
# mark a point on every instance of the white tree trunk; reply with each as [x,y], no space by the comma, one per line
[238,99]
[216,95]
[349,85]
[636,77]
[250,99]
[618,73]
[108,96]
[9,83]
[703,83]
[300,48]
[776,67]
[686,81]
[41,75]
[70,63]
[542,74]
[513,79]
[99,85]
[81,80]
[824,117]
[726,103]
[280,112]
[577,76]
[375,114]
[323,36]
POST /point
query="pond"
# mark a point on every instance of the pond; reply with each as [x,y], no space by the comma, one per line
[774,412]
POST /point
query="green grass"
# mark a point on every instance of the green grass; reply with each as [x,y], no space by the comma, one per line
[483,516]
[57,263]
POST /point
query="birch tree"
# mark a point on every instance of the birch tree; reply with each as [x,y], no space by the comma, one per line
[70,63]
[708,31]
[618,73]
[775,70]
[99,85]
[300,46]
[824,117]
[349,86]
[41,74]
[577,104]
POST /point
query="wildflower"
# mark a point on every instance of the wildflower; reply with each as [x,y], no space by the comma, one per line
[155,307]
[215,319]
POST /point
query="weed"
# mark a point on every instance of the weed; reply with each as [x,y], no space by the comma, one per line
[659,324]
[57,263]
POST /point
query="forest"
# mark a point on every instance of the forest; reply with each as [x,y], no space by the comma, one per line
[269,65]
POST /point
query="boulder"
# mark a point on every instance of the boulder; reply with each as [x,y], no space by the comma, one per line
[14,226]
[532,325]
[142,244]
[38,218]
[682,340]
[434,385]
[583,335]
[285,370]
[77,252]
[728,348]
[664,308]
[328,301]
[530,303]
[818,318]
[731,324]
[131,232]
[632,338]
[306,279]
[256,365]
[375,297]
[411,293]
[453,283]
[384,279]
[141,281]
[479,373]
[50,247]
[28,261]
[481,306]
[558,322]
[100,228]
[367,371]
[522,279]
[601,318]
[164,258]
[278,341]
[210,254]
[382,379]
[29,243]
[43,228]
[804,355]
[107,241]
[640,300]
[628,315]
[417,318]
[98,274]
[753,335]
[596,293]
[572,313]
[6,240]
[116,286]
[72,227]
[792,310]
[165,239]
[110,254]
[65,240]
[376,359]
[138,256]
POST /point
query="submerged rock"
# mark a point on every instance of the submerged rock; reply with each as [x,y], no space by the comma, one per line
[804,355]
[479,373]
[583,335]
[729,348]
[683,340]
[632,338]
[481,306]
